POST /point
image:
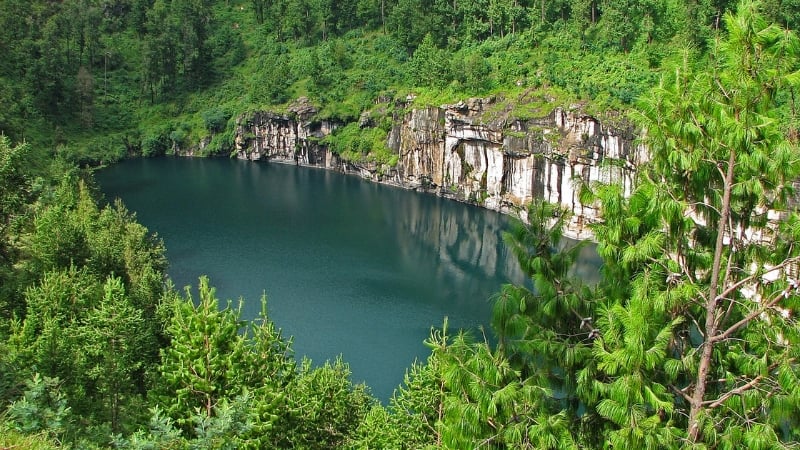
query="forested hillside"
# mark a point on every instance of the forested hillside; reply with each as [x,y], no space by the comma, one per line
[689,340]
[101,79]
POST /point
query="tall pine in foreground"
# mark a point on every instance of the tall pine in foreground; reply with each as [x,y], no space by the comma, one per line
[691,337]
[698,335]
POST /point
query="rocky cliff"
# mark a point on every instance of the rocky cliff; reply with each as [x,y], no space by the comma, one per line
[474,151]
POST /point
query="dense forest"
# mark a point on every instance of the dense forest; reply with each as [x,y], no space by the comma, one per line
[690,338]
[98,80]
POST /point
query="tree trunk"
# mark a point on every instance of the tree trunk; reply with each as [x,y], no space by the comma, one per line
[542,4]
[711,324]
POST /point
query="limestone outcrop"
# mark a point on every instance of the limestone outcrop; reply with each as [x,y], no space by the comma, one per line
[472,151]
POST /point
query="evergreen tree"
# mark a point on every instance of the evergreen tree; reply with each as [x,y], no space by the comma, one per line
[112,340]
[547,332]
[325,407]
[16,193]
[202,364]
[697,334]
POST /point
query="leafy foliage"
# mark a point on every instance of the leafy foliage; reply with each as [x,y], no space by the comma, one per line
[88,67]
[690,338]
[357,145]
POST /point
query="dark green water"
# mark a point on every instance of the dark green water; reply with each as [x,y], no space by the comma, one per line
[349,267]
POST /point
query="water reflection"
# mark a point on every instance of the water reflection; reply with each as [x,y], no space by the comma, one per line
[349,267]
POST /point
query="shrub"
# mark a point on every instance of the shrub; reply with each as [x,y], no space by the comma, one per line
[215,119]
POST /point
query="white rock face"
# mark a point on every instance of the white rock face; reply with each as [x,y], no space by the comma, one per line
[507,163]
[458,152]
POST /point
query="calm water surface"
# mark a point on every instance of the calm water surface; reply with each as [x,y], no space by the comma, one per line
[349,267]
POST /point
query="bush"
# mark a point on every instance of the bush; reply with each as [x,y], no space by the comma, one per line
[155,142]
[356,144]
[215,119]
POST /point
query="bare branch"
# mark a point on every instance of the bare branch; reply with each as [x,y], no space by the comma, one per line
[745,387]
[681,392]
[753,277]
[752,315]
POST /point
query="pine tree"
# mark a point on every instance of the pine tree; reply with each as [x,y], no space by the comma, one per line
[112,339]
[546,332]
[698,328]
[202,365]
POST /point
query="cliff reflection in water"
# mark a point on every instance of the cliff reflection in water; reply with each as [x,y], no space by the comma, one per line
[465,244]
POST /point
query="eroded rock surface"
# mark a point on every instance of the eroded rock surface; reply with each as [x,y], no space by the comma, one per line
[469,151]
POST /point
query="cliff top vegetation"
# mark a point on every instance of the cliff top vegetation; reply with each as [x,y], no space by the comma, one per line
[96,80]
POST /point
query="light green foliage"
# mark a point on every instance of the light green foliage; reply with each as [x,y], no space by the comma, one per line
[465,396]
[325,407]
[694,335]
[228,428]
[15,184]
[414,416]
[202,364]
[690,335]
[74,231]
[487,402]
[473,72]
[626,386]
[45,341]
[16,192]
[418,405]
[10,438]
[112,341]
[546,331]
[92,279]
[379,430]
[429,65]
[272,78]
[690,338]
[226,388]
[90,336]
[355,144]
[215,120]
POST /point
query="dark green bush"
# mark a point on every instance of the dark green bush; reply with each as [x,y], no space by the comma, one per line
[215,119]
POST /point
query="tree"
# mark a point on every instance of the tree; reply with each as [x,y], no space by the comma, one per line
[430,66]
[212,371]
[89,316]
[414,416]
[325,407]
[202,364]
[259,7]
[699,292]
[16,192]
[42,408]
[546,332]
[84,88]
[112,339]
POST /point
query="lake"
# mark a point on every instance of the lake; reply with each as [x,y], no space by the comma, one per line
[349,266]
